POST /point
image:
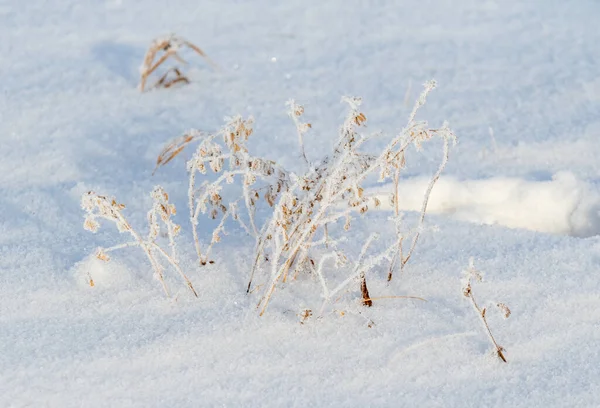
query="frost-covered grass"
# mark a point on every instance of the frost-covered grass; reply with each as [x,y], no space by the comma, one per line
[522,204]
[301,232]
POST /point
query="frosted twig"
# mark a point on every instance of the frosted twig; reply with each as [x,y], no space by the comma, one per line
[467,291]
[295,111]
[446,136]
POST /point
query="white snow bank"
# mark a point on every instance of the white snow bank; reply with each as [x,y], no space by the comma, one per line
[564,205]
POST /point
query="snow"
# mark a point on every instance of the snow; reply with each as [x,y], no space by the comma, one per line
[519,85]
[563,205]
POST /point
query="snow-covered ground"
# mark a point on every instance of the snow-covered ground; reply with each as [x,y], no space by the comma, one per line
[519,83]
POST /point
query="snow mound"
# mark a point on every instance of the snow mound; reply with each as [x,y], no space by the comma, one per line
[564,205]
[110,274]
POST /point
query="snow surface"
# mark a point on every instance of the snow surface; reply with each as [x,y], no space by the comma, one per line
[520,86]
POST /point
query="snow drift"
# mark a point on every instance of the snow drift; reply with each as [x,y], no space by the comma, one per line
[563,205]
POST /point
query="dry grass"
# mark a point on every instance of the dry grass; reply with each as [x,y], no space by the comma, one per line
[296,237]
[310,212]
[176,146]
[331,193]
[159,52]
[101,207]
[467,290]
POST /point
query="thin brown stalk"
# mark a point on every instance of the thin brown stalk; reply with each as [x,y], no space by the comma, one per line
[467,291]
[177,268]
[481,313]
[203,54]
[173,148]
[434,179]
[259,252]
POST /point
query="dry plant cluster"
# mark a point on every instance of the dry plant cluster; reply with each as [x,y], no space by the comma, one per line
[98,206]
[310,212]
[161,50]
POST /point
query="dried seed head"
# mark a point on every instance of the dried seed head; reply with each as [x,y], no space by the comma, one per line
[116,205]
[269,199]
[347,224]
[100,254]
[176,229]
[216,165]
[91,224]
[360,118]
[340,259]
[467,289]
[249,179]
[154,227]
[504,309]
[304,315]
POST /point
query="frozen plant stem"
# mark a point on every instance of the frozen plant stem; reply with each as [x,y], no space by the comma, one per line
[481,313]
[399,164]
[434,180]
[301,128]
[467,290]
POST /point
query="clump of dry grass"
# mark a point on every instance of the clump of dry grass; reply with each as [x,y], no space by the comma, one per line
[225,153]
[310,212]
[331,193]
[100,207]
[159,52]
[467,290]
[296,236]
